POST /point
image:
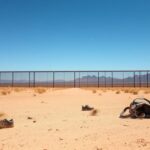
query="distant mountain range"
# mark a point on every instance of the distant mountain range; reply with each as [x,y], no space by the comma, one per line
[89,79]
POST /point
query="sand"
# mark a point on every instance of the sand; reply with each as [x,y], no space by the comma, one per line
[53,120]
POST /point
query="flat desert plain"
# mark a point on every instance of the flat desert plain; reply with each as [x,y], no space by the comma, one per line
[51,119]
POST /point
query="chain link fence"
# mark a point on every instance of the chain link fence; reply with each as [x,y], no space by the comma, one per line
[132,78]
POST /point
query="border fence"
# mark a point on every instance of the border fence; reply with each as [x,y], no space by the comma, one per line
[124,78]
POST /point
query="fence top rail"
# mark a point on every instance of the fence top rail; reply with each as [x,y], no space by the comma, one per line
[76,71]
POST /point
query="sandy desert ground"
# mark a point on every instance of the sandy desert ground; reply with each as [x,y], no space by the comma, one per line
[57,122]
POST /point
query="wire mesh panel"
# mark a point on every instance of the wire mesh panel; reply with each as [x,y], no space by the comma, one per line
[59,79]
[102,79]
[144,79]
[83,79]
[148,85]
[21,79]
[43,79]
[6,79]
[92,79]
[109,79]
[31,79]
[118,79]
[137,79]
[77,79]
[69,79]
[129,80]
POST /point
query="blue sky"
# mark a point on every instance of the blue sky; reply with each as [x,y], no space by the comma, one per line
[74,34]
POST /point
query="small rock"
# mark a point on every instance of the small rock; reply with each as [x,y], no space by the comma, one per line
[49,129]
[61,139]
[29,118]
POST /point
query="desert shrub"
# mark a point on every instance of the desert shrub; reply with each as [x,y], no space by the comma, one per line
[17,89]
[40,90]
[2,114]
[117,92]
[147,92]
[99,94]
[104,90]
[135,92]
[126,90]
[94,91]
[5,92]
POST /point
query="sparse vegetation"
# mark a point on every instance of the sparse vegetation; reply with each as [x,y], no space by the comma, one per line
[2,114]
[126,91]
[147,92]
[5,92]
[17,89]
[104,90]
[117,92]
[34,95]
[40,90]
[94,91]
[135,92]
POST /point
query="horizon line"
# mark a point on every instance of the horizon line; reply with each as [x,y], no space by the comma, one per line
[74,71]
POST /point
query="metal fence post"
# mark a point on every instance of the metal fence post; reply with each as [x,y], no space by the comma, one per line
[140,78]
[147,79]
[64,83]
[112,79]
[79,79]
[123,79]
[87,84]
[0,79]
[134,78]
[34,78]
[105,79]
[12,79]
[53,79]
[74,79]
[29,80]
[98,79]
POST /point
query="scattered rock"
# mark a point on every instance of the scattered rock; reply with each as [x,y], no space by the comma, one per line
[49,129]
[87,108]
[142,142]
[125,125]
[117,92]
[5,123]
[94,112]
[34,121]
[94,91]
[64,120]
[97,148]
[61,139]
[29,118]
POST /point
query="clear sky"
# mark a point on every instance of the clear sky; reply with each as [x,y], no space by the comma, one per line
[74,34]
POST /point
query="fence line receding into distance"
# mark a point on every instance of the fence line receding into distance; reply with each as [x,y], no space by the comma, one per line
[127,78]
